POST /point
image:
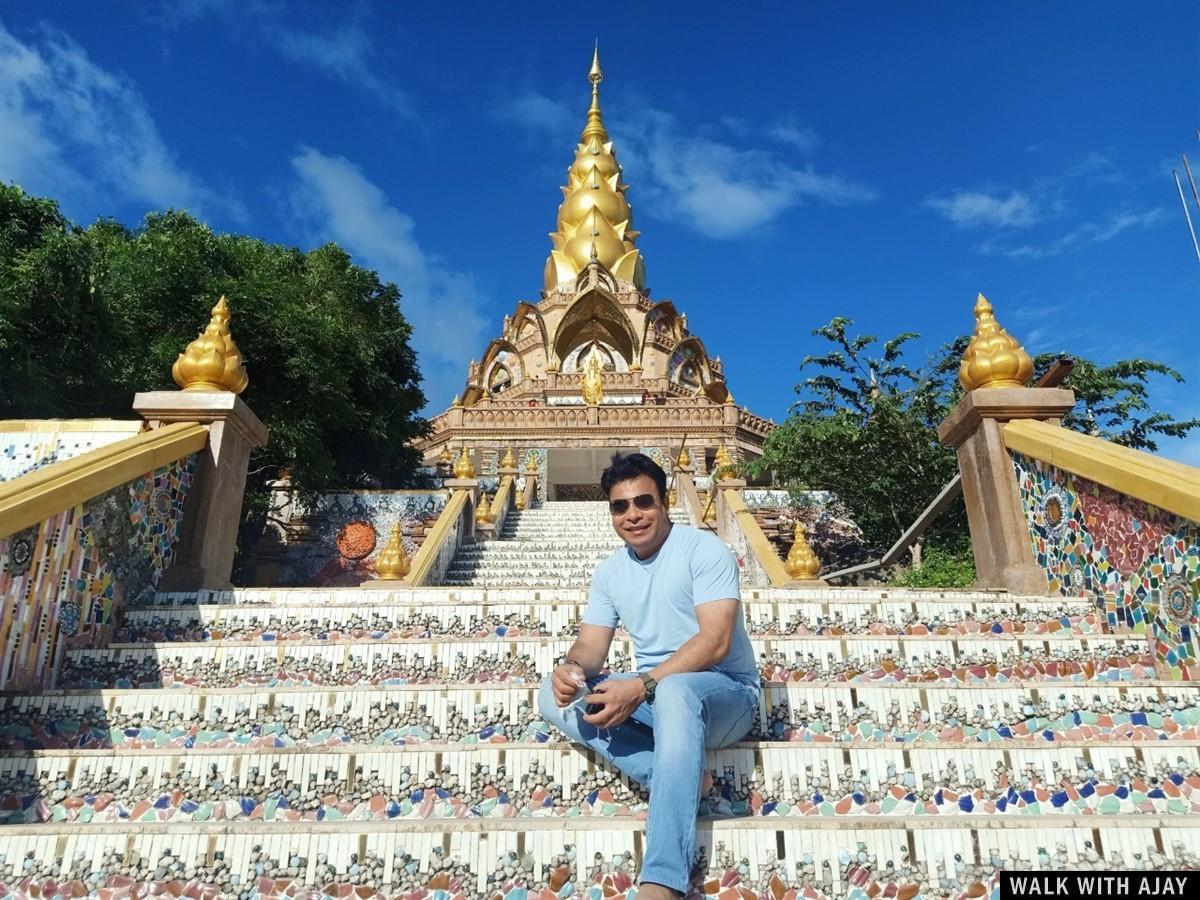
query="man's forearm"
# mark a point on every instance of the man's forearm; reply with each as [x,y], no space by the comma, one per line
[698,653]
[587,658]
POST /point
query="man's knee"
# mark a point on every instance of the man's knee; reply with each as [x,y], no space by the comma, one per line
[675,692]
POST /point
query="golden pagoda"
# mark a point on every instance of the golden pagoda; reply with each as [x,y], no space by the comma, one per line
[594,365]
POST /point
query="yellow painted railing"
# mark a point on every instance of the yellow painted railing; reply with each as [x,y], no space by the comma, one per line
[36,496]
[444,529]
[70,426]
[686,489]
[500,501]
[1168,485]
[758,542]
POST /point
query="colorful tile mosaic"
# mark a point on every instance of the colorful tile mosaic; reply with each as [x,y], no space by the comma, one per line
[26,451]
[65,578]
[1139,564]
[347,530]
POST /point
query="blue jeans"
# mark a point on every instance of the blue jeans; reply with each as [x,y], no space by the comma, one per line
[696,710]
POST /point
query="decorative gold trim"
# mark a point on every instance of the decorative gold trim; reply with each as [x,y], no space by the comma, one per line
[37,495]
[464,468]
[802,563]
[423,559]
[994,358]
[212,362]
[1168,485]
[392,562]
[756,540]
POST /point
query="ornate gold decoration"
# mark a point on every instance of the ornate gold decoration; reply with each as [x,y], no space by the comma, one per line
[802,563]
[509,461]
[392,563]
[685,459]
[594,220]
[672,498]
[212,362]
[444,458]
[724,467]
[994,358]
[463,467]
[482,511]
[593,379]
[520,498]
[710,507]
[531,464]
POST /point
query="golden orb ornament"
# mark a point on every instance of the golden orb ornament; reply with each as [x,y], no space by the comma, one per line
[710,507]
[392,562]
[802,563]
[509,461]
[685,459]
[520,502]
[724,467]
[212,362]
[531,464]
[994,358]
[463,467]
[482,511]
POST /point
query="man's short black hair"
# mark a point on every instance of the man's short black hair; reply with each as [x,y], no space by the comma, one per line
[624,466]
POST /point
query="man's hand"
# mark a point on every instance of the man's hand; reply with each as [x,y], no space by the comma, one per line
[619,697]
[565,681]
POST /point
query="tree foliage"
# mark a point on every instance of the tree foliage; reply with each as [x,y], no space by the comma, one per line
[89,316]
[866,426]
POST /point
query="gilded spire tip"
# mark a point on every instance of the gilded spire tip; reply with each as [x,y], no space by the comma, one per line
[994,358]
[596,74]
[213,361]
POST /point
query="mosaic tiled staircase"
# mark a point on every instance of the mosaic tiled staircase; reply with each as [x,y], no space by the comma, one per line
[550,545]
[363,743]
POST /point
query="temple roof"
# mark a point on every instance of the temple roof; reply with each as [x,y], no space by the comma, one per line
[595,221]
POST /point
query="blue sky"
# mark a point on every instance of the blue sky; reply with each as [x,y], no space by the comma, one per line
[787,163]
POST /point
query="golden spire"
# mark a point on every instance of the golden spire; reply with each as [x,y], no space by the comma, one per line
[212,362]
[724,467]
[482,514]
[595,221]
[802,563]
[685,459]
[463,467]
[509,461]
[994,358]
[520,500]
[392,562]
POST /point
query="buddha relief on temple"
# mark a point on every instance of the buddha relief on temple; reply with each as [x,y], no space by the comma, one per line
[594,365]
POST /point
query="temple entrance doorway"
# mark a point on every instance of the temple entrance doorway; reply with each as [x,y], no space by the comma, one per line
[574,473]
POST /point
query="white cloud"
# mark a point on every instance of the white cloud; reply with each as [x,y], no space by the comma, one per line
[971,209]
[1089,233]
[73,130]
[714,187]
[789,131]
[335,201]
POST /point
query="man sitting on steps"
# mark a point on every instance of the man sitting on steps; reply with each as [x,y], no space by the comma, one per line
[675,590]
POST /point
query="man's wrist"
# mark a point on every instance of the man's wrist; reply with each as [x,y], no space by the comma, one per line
[572,661]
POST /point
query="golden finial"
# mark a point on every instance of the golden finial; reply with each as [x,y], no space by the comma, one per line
[392,562]
[710,506]
[593,379]
[724,466]
[531,465]
[994,358]
[212,362]
[520,498]
[595,222]
[444,458]
[802,563]
[509,461]
[672,498]
[463,467]
[685,459]
[482,511]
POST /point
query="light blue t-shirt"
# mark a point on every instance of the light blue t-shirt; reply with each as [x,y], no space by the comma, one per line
[656,598]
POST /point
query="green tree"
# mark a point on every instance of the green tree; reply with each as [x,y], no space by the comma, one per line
[89,316]
[866,427]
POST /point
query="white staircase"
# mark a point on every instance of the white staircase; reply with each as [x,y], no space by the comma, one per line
[372,743]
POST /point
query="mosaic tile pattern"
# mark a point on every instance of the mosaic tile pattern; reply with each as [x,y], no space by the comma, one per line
[1140,565]
[347,530]
[26,451]
[65,578]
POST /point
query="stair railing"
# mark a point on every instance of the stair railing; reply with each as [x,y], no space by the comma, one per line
[452,528]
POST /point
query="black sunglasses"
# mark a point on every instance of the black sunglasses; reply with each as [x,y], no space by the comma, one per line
[641,501]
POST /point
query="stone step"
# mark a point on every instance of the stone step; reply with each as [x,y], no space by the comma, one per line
[895,618]
[1003,715]
[835,597]
[919,661]
[544,858]
[102,787]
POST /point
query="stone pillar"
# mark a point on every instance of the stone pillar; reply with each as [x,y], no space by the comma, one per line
[999,531]
[213,510]
[728,484]
[466,484]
